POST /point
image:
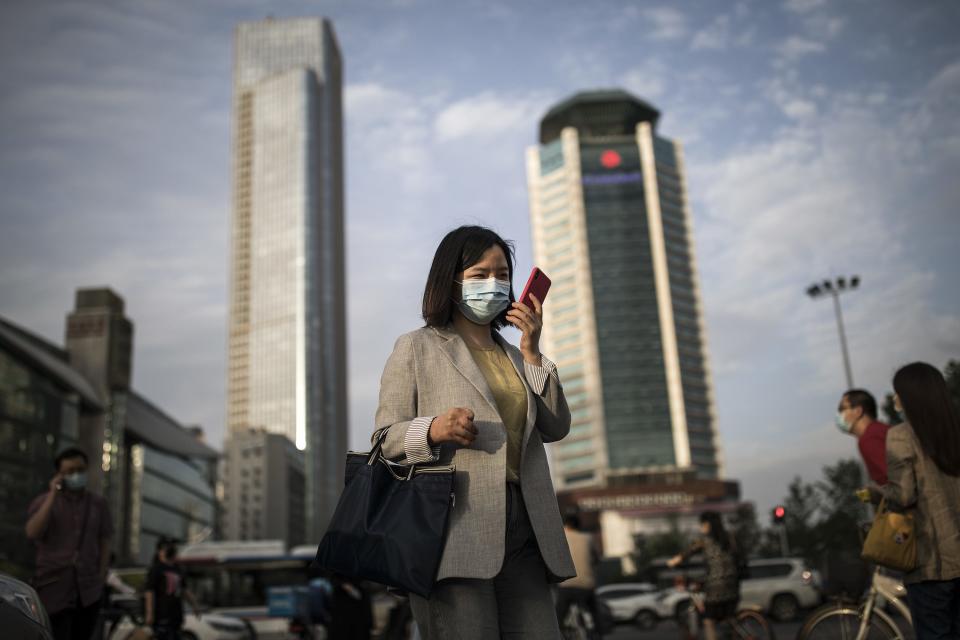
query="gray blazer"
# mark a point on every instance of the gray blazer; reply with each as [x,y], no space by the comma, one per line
[916,484]
[431,371]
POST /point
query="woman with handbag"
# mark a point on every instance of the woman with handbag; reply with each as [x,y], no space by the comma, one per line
[923,469]
[455,392]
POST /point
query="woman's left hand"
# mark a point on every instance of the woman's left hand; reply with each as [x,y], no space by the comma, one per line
[530,322]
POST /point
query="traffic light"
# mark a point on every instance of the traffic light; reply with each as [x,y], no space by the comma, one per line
[779,513]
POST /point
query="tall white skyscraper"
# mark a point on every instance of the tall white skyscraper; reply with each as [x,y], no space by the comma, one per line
[287,339]
[612,227]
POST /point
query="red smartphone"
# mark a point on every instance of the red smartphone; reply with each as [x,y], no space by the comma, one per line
[538,284]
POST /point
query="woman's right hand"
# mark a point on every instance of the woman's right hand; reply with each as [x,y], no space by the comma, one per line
[456,426]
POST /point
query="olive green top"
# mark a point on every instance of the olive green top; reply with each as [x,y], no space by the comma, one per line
[511,396]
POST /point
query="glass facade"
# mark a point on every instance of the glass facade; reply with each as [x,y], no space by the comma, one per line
[287,360]
[636,410]
[174,497]
[686,308]
[37,418]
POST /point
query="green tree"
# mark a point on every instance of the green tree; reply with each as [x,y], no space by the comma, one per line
[648,547]
[823,517]
[746,528]
[801,506]
[952,373]
[841,510]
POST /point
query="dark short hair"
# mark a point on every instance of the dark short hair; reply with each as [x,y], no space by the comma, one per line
[929,409]
[70,452]
[167,541]
[859,398]
[459,250]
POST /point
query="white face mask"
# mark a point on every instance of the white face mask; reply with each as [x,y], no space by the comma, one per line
[76,481]
[841,424]
[483,300]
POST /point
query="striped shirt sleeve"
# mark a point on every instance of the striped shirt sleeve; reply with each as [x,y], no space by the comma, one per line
[537,376]
[415,444]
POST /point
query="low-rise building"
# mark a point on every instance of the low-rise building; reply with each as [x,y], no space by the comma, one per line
[157,475]
[264,488]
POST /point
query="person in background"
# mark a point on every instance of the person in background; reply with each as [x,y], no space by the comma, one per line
[721,588]
[352,611]
[71,528]
[923,469]
[857,416]
[581,587]
[164,593]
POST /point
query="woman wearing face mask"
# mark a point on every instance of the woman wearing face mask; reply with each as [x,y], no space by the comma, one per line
[164,593]
[455,392]
[923,478]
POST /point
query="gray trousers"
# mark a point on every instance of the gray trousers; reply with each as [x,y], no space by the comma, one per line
[516,603]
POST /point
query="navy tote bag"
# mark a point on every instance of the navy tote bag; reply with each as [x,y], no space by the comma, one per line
[390,523]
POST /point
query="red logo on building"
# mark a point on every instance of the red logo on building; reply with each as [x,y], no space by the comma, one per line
[610,159]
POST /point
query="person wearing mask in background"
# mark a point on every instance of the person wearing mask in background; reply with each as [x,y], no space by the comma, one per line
[456,392]
[923,469]
[721,588]
[857,416]
[579,588]
[164,592]
[71,528]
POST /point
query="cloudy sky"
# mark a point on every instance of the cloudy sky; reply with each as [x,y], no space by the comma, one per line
[822,139]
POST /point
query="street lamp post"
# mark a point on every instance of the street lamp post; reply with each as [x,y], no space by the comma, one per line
[835,288]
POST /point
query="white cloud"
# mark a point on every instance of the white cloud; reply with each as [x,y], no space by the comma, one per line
[583,67]
[794,100]
[647,81]
[799,109]
[715,36]
[796,47]
[389,131]
[487,115]
[822,26]
[803,6]
[666,23]
[819,202]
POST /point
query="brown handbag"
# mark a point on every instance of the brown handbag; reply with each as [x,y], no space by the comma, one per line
[892,540]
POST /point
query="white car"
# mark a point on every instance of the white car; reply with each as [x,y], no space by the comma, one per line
[209,626]
[781,587]
[642,603]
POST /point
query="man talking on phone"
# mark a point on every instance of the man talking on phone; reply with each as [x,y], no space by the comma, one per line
[71,528]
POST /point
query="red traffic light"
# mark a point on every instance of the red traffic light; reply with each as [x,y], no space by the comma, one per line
[779,512]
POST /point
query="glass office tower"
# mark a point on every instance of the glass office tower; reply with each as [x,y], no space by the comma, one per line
[612,227]
[287,351]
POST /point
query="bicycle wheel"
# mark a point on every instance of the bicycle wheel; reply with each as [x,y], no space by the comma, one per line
[842,622]
[751,625]
[574,626]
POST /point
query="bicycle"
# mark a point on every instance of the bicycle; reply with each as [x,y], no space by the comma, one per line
[747,624]
[864,620]
[121,618]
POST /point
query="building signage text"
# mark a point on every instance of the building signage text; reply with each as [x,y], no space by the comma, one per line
[635,501]
[599,179]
